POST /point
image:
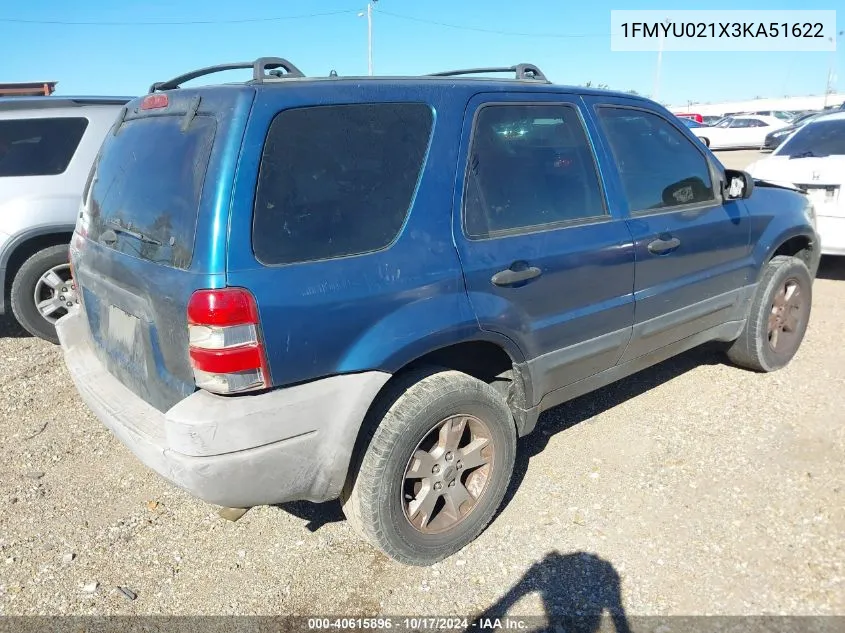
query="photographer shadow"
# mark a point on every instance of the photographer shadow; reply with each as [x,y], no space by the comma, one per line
[580,592]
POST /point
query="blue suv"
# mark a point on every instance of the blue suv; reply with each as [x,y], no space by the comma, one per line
[310,288]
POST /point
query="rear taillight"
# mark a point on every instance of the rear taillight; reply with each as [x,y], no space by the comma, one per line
[225,341]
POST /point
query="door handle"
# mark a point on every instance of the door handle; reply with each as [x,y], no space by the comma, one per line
[509,276]
[662,247]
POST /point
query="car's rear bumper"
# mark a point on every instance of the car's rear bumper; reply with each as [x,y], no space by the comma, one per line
[831,232]
[230,450]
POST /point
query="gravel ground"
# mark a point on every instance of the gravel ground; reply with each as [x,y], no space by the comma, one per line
[692,488]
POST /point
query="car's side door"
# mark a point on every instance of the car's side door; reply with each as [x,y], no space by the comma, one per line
[694,266]
[547,261]
[741,133]
[756,132]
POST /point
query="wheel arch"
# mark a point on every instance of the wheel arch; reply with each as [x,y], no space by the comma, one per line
[22,247]
[487,356]
[795,243]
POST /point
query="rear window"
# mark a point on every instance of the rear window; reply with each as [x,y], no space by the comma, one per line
[39,147]
[145,188]
[337,180]
[816,139]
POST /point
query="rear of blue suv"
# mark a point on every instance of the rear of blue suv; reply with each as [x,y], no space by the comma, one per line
[318,288]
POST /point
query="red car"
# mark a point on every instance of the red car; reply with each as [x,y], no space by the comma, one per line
[686,115]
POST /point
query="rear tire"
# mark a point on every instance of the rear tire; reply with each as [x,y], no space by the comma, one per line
[43,279]
[778,317]
[433,469]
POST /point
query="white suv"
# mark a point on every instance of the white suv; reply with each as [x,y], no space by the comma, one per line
[47,147]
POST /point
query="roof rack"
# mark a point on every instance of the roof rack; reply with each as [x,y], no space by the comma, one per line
[522,71]
[260,68]
[53,101]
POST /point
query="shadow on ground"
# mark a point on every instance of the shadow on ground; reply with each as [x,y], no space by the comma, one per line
[832,268]
[551,422]
[317,514]
[578,590]
[9,328]
[575,411]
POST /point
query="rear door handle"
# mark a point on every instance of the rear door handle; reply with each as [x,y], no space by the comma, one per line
[510,276]
[662,247]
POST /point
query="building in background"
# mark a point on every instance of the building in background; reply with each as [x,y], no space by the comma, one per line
[754,105]
[28,89]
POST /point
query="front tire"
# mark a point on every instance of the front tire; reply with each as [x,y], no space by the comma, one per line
[778,318]
[43,292]
[435,468]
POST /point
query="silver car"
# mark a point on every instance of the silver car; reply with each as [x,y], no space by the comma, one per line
[47,147]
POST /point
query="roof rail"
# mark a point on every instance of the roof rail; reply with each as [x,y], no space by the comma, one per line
[522,71]
[259,67]
[26,103]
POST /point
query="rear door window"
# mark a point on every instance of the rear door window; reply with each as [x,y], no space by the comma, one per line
[39,147]
[530,166]
[144,190]
[337,180]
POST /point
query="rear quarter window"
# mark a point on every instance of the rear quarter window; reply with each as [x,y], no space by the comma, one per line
[39,147]
[337,180]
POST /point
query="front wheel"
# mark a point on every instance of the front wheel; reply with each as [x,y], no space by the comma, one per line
[778,318]
[435,469]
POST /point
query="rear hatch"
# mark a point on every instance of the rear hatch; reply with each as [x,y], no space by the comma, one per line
[149,232]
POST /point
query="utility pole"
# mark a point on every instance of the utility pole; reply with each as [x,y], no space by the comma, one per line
[656,90]
[369,15]
[828,87]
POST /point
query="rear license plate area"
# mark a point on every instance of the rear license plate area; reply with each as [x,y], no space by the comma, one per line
[122,329]
[823,197]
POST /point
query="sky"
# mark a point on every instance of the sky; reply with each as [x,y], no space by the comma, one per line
[104,47]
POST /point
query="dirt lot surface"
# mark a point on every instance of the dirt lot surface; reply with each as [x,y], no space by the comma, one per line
[692,488]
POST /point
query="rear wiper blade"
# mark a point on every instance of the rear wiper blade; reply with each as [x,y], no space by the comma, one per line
[117,227]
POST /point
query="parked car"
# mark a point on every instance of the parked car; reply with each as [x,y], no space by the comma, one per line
[345,334]
[738,132]
[783,115]
[692,116]
[47,146]
[710,119]
[690,123]
[773,139]
[813,159]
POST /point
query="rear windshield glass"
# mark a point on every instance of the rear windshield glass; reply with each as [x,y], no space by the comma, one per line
[337,180]
[816,139]
[145,188]
[39,147]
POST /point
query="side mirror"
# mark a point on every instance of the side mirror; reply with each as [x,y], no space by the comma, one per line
[738,185]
